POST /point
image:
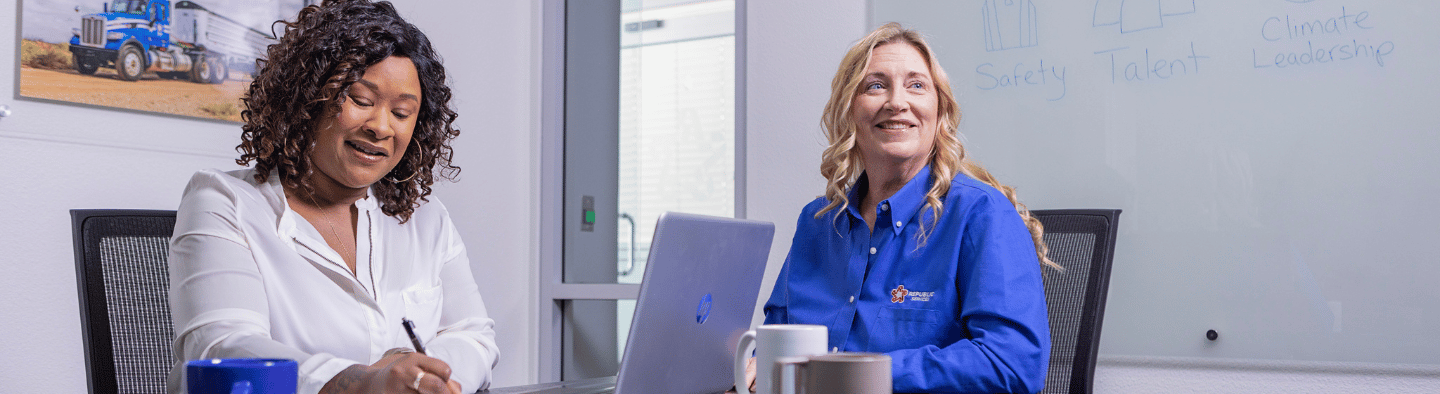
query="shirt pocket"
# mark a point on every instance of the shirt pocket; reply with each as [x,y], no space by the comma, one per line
[422,306]
[907,328]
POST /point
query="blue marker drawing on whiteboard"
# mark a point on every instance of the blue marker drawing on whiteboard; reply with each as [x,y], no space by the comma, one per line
[1328,39]
[1138,15]
[1143,64]
[1022,75]
[1009,24]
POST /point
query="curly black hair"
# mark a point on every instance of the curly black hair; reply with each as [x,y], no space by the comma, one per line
[304,78]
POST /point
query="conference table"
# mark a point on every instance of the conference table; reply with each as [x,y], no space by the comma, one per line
[578,386]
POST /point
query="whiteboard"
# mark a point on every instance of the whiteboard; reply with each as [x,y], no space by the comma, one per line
[1276,160]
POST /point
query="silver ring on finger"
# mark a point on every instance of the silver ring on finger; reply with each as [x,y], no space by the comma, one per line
[416,384]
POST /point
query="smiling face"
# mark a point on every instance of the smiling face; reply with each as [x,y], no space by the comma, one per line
[895,112]
[367,136]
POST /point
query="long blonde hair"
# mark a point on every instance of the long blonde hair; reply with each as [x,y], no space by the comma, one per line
[841,164]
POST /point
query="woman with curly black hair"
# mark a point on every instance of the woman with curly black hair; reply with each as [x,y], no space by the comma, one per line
[319,251]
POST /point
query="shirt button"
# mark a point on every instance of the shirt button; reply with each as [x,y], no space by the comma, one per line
[852,298]
[872,250]
[834,350]
[885,206]
[897,224]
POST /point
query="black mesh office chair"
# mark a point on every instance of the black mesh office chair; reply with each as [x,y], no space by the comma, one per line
[124,307]
[1082,241]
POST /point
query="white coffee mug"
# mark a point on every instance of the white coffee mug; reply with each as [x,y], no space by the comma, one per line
[771,343]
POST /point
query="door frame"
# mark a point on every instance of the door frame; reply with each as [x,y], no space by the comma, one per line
[553,291]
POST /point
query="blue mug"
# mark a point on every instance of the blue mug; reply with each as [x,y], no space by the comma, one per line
[241,376]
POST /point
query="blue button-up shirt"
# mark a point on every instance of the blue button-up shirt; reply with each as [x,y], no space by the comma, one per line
[964,311]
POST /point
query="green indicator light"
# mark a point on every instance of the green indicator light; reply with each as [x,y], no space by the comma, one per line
[589,216]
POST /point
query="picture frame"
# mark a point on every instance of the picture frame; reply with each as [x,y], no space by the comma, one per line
[189,58]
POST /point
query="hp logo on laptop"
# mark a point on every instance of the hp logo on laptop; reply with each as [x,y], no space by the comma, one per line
[702,313]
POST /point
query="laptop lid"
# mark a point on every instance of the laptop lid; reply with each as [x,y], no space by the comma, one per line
[697,298]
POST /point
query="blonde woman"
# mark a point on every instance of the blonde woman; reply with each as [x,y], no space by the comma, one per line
[914,250]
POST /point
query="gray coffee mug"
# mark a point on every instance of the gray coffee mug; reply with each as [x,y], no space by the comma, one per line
[837,373]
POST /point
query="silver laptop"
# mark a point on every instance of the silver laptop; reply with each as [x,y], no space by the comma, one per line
[696,300]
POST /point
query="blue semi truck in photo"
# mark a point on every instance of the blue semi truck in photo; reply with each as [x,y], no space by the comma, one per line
[185,41]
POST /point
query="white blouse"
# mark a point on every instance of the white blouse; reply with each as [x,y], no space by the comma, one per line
[250,278]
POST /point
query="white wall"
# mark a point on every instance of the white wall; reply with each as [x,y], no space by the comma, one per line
[57,157]
[794,48]
[487,46]
[60,157]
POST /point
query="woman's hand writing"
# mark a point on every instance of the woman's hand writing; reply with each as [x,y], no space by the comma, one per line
[395,373]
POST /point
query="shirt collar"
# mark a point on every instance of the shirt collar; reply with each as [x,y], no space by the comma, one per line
[368,203]
[285,224]
[902,206]
[285,217]
[863,183]
[907,202]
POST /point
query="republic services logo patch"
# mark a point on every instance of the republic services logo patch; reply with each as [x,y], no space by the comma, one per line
[898,294]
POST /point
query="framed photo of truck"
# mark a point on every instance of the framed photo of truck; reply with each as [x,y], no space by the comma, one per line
[188,58]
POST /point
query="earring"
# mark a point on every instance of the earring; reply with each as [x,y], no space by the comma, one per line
[407,179]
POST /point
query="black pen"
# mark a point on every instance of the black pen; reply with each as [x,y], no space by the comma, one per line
[410,330]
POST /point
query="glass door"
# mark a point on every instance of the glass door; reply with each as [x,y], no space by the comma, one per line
[648,125]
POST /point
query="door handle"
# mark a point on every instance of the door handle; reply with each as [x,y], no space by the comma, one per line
[630,267]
